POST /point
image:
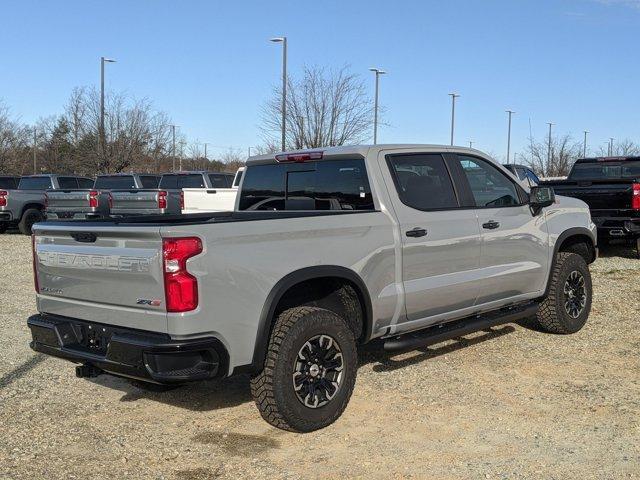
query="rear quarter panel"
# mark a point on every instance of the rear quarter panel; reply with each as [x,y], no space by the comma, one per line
[242,262]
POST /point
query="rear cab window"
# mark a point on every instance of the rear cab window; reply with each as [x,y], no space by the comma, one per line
[113,182]
[321,185]
[180,181]
[8,183]
[35,183]
[605,170]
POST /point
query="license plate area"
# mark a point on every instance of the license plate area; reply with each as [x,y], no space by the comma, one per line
[92,338]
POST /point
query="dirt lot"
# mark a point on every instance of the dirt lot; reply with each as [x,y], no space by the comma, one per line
[511,403]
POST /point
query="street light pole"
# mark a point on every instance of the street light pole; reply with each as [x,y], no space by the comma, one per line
[35,149]
[453,113]
[283,40]
[584,145]
[510,112]
[377,73]
[101,134]
[470,144]
[611,146]
[173,148]
[549,145]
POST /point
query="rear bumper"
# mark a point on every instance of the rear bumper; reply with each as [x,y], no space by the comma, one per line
[73,215]
[618,227]
[147,356]
[6,216]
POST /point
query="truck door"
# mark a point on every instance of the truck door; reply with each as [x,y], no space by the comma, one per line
[440,240]
[515,244]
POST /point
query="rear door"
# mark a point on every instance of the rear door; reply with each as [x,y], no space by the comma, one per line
[109,275]
[440,238]
[515,244]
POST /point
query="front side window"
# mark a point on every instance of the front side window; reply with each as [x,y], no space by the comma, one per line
[325,185]
[219,180]
[423,181]
[8,183]
[85,182]
[67,182]
[489,186]
[149,181]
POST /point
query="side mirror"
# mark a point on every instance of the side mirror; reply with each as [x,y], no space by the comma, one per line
[541,197]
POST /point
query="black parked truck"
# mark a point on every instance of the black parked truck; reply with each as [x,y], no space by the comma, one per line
[611,188]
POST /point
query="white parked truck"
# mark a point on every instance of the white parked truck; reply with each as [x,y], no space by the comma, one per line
[200,200]
[329,249]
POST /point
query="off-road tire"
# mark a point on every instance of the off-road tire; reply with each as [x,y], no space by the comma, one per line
[552,315]
[31,216]
[272,389]
[3,227]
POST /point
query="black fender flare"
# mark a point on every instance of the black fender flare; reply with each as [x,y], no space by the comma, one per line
[570,232]
[278,291]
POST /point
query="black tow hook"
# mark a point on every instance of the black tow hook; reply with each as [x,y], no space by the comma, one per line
[87,371]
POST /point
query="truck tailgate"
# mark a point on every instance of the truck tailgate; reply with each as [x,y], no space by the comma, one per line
[101,274]
[128,202]
[67,200]
[600,195]
[198,200]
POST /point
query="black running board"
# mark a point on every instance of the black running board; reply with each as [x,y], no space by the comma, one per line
[458,328]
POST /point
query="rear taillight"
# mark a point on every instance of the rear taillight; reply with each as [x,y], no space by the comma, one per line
[635,197]
[93,198]
[180,287]
[35,263]
[162,199]
[3,198]
[181,200]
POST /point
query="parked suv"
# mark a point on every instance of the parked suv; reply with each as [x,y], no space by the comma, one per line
[411,244]
[25,205]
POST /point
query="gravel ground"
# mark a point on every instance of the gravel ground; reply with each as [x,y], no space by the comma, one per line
[509,403]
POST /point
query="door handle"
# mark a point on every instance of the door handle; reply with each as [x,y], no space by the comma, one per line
[416,232]
[491,225]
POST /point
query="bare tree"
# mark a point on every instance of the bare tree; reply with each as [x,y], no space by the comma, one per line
[324,108]
[621,148]
[564,152]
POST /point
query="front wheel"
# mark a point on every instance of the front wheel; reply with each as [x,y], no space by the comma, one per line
[309,372]
[567,306]
[29,218]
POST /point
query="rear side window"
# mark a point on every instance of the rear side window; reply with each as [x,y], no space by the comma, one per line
[113,182]
[238,178]
[423,181]
[219,180]
[85,182]
[34,183]
[326,185]
[175,182]
[8,182]
[489,186]
[67,182]
[149,181]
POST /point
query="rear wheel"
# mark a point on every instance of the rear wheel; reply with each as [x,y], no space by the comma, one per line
[29,218]
[309,372]
[567,306]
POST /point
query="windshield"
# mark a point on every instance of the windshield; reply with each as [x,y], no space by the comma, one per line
[34,183]
[605,170]
[111,182]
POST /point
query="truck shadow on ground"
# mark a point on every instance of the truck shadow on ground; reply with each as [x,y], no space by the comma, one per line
[622,250]
[231,392]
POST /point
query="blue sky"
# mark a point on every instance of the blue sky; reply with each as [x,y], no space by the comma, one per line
[209,64]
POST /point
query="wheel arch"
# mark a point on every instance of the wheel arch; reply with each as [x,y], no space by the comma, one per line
[35,205]
[571,237]
[287,284]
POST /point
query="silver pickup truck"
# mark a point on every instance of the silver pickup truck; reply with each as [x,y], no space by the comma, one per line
[93,200]
[167,197]
[410,244]
[26,205]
